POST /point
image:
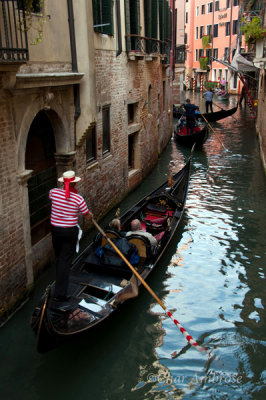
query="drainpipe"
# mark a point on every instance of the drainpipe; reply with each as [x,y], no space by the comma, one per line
[74,64]
[118,21]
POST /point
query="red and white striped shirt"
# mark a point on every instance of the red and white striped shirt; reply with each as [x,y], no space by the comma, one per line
[65,211]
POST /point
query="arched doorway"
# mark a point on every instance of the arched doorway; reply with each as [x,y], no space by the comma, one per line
[40,159]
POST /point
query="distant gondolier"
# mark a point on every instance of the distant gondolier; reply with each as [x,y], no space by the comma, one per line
[208,96]
[190,115]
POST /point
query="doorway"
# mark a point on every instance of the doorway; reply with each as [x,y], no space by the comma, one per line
[40,159]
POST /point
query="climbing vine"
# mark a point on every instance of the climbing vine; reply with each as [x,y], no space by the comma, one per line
[33,18]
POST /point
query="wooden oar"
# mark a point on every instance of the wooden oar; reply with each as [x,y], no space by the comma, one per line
[209,125]
[182,330]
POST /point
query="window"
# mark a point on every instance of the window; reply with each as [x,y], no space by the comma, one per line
[131,112]
[201,53]
[201,31]
[106,129]
[197,11]
[209,54]
[164,96]
[91,148]
[209,31]
[103,16]
[132,24]
[186,17]
[217,6]
[235,27]
[215,30]
[203,9]
[228,3]
[197,32]
[131,151]
[227,29]
[215,53]
[185,38]
[35,7]
[236,2]
[196,55]
[226,54]
[209,7]
[150,100]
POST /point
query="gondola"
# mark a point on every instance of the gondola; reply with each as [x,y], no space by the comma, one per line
[99,279]
[199,136]
[211,117]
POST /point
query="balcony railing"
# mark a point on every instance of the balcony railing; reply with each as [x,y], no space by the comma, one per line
[13,32]
[144,45]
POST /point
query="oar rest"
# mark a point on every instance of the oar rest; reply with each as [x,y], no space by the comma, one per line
[143,245]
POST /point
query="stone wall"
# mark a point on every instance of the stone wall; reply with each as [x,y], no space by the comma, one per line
[261,116]
[12,268]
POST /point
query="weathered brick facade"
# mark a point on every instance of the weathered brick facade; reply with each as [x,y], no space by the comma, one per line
[45,86]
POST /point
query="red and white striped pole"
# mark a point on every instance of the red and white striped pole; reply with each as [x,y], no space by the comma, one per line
[194,84]
[187,82]
[201,84]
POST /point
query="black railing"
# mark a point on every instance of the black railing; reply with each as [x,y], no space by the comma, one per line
[144,45]
[13,32]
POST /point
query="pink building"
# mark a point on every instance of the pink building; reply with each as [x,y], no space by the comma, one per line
[211,32]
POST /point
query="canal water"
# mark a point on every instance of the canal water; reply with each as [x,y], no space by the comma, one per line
[212,278]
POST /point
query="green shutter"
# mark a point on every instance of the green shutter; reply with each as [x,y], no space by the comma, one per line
[154,20]
[103,14]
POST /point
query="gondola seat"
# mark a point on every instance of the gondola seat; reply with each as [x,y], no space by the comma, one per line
[143,246]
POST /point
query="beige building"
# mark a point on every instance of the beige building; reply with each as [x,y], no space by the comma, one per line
[94,95]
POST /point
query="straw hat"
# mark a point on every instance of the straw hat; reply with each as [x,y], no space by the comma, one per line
[69,176]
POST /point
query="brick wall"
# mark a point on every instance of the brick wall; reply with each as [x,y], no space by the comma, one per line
[12,269]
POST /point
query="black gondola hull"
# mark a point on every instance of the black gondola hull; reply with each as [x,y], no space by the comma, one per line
[211,117]
[94,286]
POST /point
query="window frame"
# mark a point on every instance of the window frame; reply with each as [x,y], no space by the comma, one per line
[91,141]
[106,130]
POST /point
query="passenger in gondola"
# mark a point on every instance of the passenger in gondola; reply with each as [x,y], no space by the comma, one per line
[136,228]
[190,115]
[116,226]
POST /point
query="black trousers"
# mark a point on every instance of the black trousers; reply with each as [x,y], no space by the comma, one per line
[190,123]
[208,103]
[64,243]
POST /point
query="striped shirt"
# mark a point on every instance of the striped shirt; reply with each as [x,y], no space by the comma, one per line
[65,211]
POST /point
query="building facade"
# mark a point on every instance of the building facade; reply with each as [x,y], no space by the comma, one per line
[86,87]
[212,31]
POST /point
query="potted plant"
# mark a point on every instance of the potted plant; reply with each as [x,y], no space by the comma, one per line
[252,29]
[206,41]
[203,63]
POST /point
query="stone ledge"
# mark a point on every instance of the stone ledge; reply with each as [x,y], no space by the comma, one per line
[24,81]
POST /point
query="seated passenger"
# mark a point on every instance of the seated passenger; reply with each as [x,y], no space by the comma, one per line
[116,226]
[136,229]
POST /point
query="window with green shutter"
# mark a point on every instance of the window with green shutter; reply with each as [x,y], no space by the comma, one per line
[132,23]
[103,16]
[164,24]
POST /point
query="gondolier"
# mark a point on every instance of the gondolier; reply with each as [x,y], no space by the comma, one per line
[190,115]
[66,205]
[208,96]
